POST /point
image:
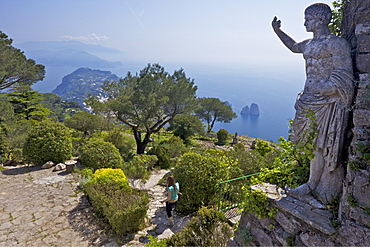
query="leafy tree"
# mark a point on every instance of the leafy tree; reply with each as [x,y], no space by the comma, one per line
[26,103]
[147,101]
[213,110]
[60,109]
[85,122]
[185,126]
[15,67]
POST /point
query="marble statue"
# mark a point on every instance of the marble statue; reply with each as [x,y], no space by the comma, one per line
[328,93]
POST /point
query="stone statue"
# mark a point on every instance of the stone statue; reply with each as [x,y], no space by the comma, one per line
[327,93]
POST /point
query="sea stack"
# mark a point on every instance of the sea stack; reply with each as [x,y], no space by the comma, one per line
[254,110]
[245,110]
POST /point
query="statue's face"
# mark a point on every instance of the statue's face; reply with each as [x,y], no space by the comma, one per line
[312,23]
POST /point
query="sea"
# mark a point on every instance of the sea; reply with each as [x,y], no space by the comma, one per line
[273,89]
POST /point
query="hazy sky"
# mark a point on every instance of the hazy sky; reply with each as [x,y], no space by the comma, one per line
[211,31]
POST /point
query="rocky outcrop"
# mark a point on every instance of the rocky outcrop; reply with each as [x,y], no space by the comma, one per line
[82,82]
[253,110]
[245,110]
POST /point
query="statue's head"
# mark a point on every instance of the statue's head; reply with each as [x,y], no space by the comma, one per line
[321,11]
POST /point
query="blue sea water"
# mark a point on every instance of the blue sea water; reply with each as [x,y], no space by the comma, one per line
[273,90]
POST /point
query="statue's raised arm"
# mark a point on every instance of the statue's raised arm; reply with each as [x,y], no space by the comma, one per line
[290,43]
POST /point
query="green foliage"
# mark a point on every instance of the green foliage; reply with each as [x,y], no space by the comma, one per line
[291,240]
[355,165]
[255,201]
[59,109]
[26,103]
[85,122]
[263,147]
[97,154]
[199,175]
[364,149]
[222,136]
[186,126]
[154,242]
[246,236]
[333,207]
[140,167]
[239,146]
[123,208]
[251,161]
[4,144]
[148,101]
[291,169]
[213,110]
[208,228]
[352,201]
[337,16]
[167,151]
[112,177]
[124,143]
[15,67]
[48,141]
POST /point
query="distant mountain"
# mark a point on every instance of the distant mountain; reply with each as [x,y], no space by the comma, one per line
[68,53]
[77,85]
[64,45]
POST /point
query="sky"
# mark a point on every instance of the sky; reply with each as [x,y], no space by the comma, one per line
[230,33]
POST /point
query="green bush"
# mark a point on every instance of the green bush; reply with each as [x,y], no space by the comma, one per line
[222,136]
[125,144]
[167,150]
[199,175]
[100,154]
[123,208]
[208,228]
[263,147]
[48,141]
[140,166]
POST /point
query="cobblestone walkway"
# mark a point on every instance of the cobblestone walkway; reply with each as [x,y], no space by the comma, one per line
[39,207]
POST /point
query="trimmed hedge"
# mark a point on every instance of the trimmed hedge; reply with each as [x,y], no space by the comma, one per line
[48,141]
[124,208]
[100,154]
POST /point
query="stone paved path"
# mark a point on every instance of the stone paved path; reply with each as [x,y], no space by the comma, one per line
[43,208]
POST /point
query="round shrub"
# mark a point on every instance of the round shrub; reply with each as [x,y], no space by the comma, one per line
[114,177]
[140,167]
[100,154]
[48,141]
[125,144]
[167,150]
[222,136]
[199,175]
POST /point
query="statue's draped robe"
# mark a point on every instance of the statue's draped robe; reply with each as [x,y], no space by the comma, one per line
[331,116]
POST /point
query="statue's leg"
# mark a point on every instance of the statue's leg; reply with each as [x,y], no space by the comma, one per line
[316,169]
[317,165]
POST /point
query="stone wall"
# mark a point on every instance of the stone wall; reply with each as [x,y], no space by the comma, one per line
[299,224]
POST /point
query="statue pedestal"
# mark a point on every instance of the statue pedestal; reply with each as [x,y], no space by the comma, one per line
[296,223]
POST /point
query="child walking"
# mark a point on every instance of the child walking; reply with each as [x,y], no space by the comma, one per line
[173,189]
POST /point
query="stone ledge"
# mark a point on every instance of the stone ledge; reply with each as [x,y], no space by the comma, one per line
[317,218]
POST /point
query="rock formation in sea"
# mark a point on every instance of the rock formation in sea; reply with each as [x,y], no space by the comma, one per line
[245,110]
[254,110]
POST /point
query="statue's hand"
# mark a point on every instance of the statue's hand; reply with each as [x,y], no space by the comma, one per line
[276,24]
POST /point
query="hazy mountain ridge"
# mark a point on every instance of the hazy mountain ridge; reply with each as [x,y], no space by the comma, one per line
[77,85]
[68,53]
